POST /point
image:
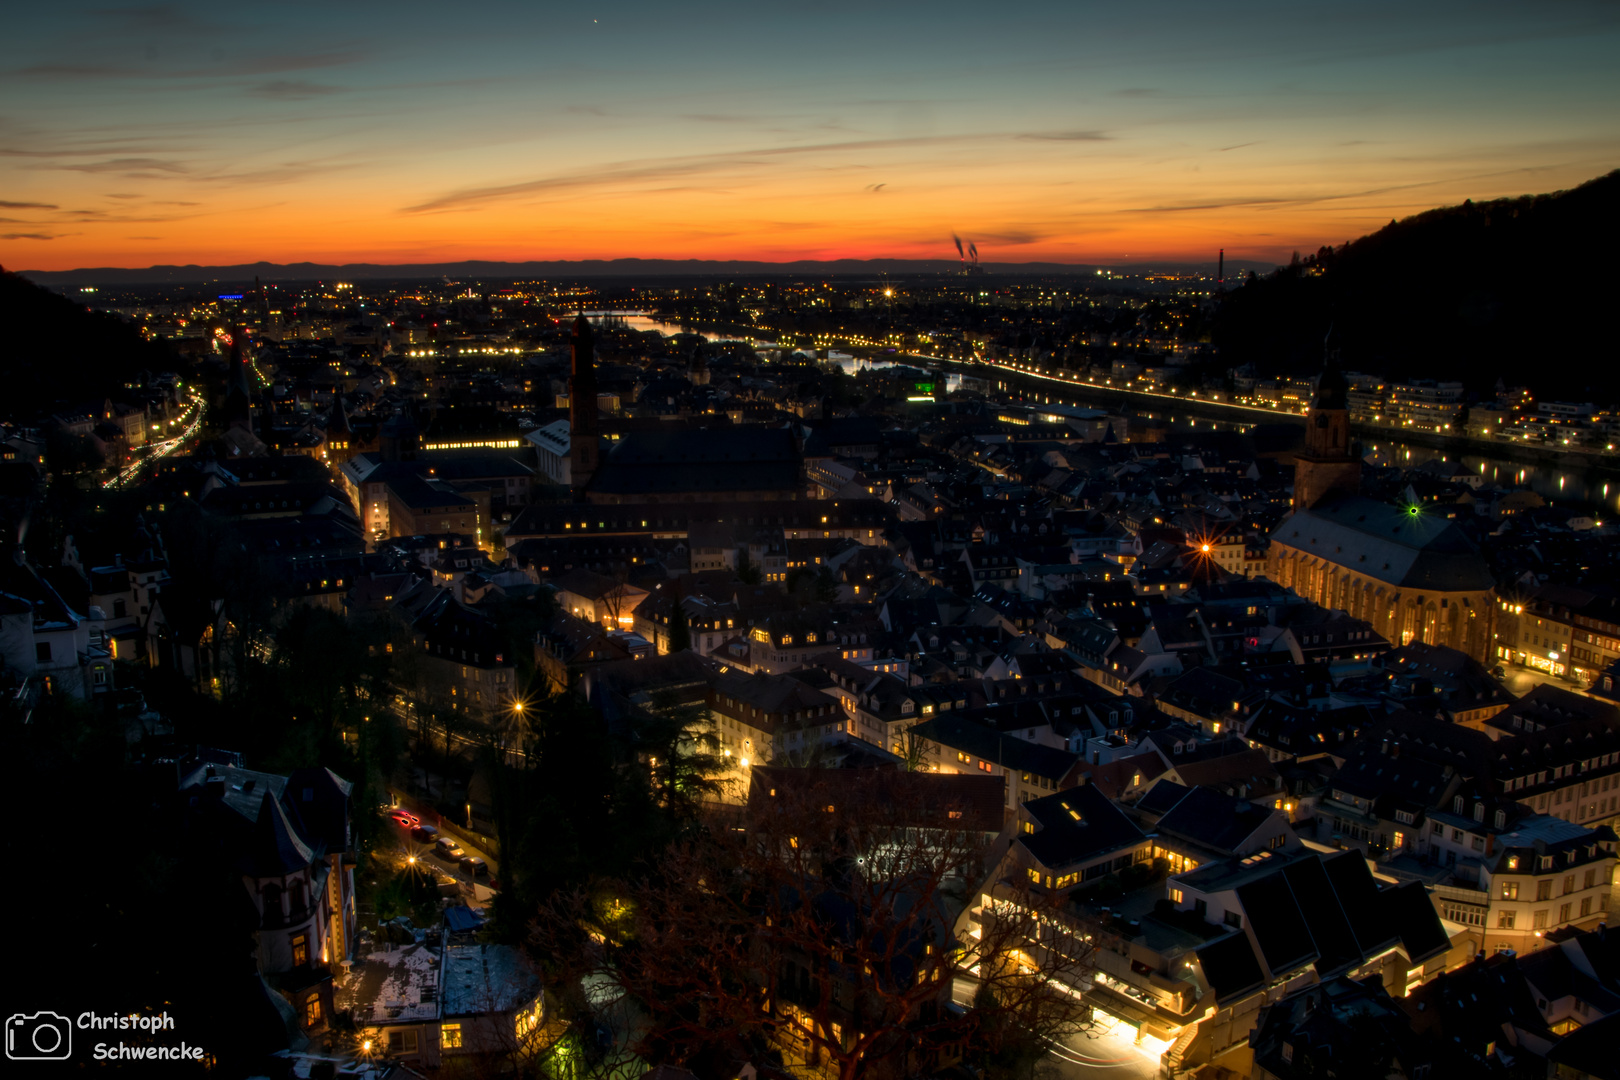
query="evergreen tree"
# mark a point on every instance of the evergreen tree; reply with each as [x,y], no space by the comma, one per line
[680,630]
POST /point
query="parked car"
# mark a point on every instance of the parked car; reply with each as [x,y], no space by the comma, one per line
[448,849]
[425,833]
[473,866]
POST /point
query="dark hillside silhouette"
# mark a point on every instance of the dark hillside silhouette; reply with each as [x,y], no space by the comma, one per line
[1519,289]
[55,352]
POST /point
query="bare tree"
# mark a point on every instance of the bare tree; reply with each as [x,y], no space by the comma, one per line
[916,751]
[614,599]
[832,935]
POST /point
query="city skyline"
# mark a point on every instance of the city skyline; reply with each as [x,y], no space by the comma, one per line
[184,134]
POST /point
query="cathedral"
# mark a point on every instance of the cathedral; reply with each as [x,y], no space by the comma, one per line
[1414,575]
[725,463]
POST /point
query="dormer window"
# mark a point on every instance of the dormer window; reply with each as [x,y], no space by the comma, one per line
[810,639]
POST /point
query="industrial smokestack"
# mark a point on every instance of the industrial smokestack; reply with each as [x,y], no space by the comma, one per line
[958,241]
[1220,271]
[973,252]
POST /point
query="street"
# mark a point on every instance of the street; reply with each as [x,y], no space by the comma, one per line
[192,418]
[1521,680]
[1108,1048]
[429,816]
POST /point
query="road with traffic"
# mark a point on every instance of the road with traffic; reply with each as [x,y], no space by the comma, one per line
[191,423]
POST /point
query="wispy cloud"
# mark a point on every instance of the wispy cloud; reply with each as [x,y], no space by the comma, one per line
[1227,205]
[224,66]
[127,166]
[7,205]
[1066,136]
[1013,237]
[472,196]
[170,18]
[26,236]
[294,90]
[1341,196]
[726,118]
[633,172]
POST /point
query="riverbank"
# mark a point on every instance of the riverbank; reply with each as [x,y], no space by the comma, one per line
[1456,445]
[1080,392]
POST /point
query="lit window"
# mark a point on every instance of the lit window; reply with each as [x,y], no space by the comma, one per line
[450,1036]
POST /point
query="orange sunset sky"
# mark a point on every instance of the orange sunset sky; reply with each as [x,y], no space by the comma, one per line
[1071,132]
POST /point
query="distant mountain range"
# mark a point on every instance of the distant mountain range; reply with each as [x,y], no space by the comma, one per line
[1523,290]
[641,269]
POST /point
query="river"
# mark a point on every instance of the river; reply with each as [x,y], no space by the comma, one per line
[640,320]
[1548,481]
[1565,485]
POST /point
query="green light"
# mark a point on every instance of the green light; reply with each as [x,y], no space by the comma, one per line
[1412,510]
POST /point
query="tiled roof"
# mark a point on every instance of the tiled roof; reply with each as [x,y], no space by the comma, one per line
[1010,752]
[1215,820]
[1389,544]
[1230,967]
[1076,825]
[1275,918]
[917,799]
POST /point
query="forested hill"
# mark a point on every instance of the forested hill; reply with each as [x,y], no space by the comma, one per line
[55,352]
[1522,289]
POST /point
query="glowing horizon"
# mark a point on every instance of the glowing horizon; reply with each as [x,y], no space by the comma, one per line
[1057,132]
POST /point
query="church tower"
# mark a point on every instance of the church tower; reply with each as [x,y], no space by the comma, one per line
[582,436]
[1328,466]
[238,385]
[339,436]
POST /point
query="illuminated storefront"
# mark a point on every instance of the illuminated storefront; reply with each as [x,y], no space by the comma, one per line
[1550,663]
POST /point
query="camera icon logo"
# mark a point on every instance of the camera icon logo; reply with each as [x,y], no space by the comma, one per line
[41,1036]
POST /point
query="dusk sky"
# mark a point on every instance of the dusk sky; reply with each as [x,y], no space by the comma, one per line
[1075,132]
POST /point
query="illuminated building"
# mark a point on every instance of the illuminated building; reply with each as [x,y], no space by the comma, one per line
[1413,576]
[1328,466]
[289,840]
[583,450]
[1536,874]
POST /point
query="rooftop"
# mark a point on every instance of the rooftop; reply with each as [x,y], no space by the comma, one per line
[486,979]
[394,984]
[1389,544]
